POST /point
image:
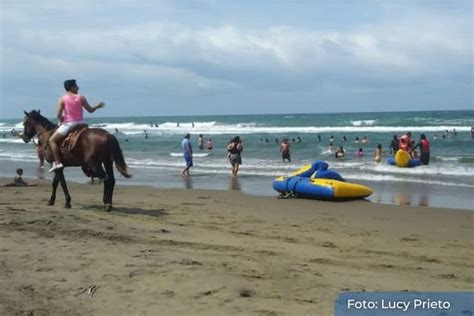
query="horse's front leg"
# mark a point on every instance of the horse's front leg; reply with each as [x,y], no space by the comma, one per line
[62,180]
[52,199]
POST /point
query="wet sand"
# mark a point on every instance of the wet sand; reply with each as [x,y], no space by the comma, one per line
[202,252]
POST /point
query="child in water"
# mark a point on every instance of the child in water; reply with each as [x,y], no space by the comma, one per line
[360,153]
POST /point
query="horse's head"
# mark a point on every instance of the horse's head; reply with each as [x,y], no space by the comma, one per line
[29,125]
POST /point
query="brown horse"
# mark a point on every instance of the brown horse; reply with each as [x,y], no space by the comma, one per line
[94,151]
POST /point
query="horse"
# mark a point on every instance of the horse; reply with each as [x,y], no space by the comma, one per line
[95,151]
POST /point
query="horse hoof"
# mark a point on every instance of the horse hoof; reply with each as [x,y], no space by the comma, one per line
[67,205]
[108,207]
[50,202]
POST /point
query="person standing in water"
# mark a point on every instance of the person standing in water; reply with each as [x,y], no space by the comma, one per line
[200,142]
[70,114]
[394,145]
[424,146]
[40,152]
[378,153]
[209,144]
[187,153]
[285,150]
[234,151]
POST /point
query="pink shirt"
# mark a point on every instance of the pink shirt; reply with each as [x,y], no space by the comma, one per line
[73,111]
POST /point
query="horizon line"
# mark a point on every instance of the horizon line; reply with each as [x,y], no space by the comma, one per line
[287,113]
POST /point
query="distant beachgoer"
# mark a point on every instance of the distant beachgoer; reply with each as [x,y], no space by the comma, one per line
[200,142]
[344,139]
[472,132]
[209,144]
[331,148]
[341,153]
[298,139]
[156,125]
[331,139]
[234,152]
[187,153]
[276,140]
[116,131]
[357,141]
[177,124]
[378,153]
[40,152]
[360,153]
[293,140]
[285,150]
[394,145]
[192,124]
[454,132]
[146,134]
[18,180]
[364,140]
[405,142]
[266,140]
[444,135]
[319,138]
[4,135]
[424,146]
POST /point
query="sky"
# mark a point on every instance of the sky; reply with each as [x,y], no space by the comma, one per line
[204,57]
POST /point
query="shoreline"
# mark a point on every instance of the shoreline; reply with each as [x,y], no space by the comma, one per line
[385,192]
[174,251]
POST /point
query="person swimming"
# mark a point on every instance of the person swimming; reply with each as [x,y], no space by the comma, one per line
[341,153]
[360,153]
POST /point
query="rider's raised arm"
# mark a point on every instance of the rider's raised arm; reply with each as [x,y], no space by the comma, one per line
[89,108]
[59,114]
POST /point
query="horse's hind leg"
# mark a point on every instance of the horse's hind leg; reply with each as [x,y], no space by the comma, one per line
[52,199]
[100,172]
[62,180]
[109,184]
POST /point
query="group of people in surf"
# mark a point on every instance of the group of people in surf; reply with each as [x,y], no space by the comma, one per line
[407,144]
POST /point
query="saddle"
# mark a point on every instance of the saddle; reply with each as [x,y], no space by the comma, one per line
[68,145]
[71,139]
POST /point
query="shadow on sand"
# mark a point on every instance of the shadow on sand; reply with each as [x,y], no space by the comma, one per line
[128,210]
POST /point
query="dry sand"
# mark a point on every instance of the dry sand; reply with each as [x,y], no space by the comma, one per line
[177,252]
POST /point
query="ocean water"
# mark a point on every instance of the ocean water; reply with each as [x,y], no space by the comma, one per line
[157,160]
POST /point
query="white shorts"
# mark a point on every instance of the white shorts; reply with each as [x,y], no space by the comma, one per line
[64,128]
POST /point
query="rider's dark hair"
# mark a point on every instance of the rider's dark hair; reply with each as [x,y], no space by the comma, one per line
[69,84]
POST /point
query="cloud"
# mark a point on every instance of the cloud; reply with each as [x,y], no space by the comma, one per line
[222,58]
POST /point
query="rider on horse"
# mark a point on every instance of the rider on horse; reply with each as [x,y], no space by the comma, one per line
[70,114]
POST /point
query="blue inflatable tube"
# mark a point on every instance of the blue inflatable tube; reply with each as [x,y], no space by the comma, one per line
[411,163]
[321,189]
[328,174]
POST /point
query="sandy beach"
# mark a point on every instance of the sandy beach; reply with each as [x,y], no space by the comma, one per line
[200,252]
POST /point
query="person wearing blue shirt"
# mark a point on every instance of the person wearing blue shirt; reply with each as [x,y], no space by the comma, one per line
[187,153]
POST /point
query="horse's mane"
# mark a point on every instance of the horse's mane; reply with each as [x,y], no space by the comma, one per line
[35,115]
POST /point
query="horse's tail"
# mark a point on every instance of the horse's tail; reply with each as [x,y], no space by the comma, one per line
[117,156]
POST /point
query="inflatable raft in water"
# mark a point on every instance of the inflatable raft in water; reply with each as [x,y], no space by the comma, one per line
[403,159]
[316,181]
